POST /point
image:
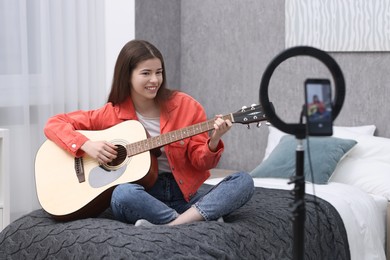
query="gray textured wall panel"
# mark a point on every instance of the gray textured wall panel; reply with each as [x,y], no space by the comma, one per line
[158,21]
[223,49]
[226,46]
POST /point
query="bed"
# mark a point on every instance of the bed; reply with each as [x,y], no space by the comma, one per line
[345,220]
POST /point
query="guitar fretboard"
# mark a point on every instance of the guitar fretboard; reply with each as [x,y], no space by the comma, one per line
[171,137]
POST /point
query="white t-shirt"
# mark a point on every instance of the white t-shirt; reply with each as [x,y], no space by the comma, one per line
[152,125]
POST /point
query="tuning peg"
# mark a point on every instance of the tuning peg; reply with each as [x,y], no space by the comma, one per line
[248,126]
[253,106]
[267,123]
[258,124]
[243,108]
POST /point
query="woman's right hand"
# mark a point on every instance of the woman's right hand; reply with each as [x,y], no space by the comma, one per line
[103,152]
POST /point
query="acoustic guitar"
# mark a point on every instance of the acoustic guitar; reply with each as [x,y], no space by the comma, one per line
[70,188]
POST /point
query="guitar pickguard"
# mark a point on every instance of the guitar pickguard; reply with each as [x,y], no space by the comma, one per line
[100,177]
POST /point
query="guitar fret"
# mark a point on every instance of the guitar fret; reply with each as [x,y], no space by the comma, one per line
[162,140]
[146,144]
[191,130]
[178,135]
[208,125]
[167,138]
[129,149]
[157,141]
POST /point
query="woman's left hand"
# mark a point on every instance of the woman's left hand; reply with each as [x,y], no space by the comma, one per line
[221,126]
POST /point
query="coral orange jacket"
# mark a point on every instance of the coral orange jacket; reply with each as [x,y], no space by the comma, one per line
[190,159]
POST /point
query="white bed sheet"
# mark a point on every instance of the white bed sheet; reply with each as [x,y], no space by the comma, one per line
[364,215]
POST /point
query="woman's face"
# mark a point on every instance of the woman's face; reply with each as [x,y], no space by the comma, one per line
[146,79]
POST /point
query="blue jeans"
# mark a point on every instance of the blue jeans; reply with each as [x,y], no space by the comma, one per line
[164,201]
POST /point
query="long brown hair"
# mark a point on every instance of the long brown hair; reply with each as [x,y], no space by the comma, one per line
[130,56]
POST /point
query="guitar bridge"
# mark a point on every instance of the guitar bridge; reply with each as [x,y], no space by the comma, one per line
[79,168]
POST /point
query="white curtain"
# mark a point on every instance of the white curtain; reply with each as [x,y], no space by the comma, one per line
[51,61]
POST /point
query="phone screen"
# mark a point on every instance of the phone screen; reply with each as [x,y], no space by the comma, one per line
[318,100]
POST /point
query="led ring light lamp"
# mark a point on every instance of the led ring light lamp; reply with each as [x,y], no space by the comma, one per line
[299,130]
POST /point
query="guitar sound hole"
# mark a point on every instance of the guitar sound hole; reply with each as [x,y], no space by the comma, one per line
[121,156]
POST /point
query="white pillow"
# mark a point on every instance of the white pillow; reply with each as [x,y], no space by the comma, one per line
[346,132]
[366,166]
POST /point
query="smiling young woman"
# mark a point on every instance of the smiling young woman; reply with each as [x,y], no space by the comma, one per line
[139,93]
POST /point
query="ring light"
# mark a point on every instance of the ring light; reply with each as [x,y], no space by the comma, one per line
[300,129]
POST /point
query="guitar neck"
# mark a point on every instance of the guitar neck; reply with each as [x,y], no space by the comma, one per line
[171,137]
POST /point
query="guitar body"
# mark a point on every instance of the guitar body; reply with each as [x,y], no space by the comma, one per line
[65,196]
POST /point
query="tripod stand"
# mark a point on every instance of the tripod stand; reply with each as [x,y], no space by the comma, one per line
[299,209]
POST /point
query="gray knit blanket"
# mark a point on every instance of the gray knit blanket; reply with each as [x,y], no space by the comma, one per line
[261,229]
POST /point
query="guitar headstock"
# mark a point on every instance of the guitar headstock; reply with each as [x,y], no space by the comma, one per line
[247,115]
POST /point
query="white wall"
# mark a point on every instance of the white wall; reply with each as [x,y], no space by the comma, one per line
[118,26]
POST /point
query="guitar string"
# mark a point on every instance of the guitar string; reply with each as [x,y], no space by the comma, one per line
[163,139]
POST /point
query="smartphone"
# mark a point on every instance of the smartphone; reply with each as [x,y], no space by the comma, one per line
[318,104]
